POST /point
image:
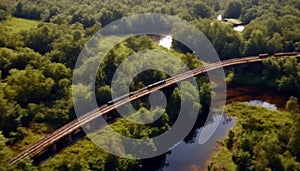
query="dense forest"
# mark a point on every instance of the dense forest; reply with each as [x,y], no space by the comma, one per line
[41,40]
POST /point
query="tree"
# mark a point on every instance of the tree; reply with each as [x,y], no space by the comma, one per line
[3,15]
[201,10]
[228,43]
[297,5]
[275,44]
[294,142]
[19,9]
[30,12]
[83,17]
[140,43]
[103,94]
[5,154]
[30,85]
[57,71]
[230,140]
[290,82]
[53,12]
[109,16]
[292,104]
[250,14]
[205,95]
[9,110]
[242,159]
[256,44]
[25,165]
[41,38]
[233,10]
[217,6]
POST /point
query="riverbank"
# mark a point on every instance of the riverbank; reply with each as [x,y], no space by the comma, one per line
[244,93]
[192,156]
[261,139]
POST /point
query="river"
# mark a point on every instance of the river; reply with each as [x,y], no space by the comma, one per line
[191,156]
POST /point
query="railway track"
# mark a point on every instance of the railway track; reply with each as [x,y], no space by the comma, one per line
[76,124]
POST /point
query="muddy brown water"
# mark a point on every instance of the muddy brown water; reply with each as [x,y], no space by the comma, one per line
[246,93]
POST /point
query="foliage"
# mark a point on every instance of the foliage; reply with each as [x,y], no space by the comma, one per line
[262,139]
[37,58]
[29,12]
[285,73]
[229,77]
[201,10]
[5,152]
[292,105]
[16,25]
[227,42]
[89,156]
[233,10]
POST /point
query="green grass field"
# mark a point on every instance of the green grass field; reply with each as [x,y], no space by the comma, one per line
[16,25]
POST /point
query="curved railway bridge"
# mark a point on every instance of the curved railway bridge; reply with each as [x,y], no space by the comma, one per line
[72,132]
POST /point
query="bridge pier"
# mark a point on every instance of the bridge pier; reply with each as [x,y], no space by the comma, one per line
[105,117]
[94,124]
[87,127]
[54,147]
[91,126]
[69,139]
[239,69]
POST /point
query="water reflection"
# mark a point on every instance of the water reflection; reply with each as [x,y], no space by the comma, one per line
[262,104]
[190,155]
[239,28]
[166,41]
[247,93]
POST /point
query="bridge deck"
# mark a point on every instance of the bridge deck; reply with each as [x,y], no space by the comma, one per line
[73,126]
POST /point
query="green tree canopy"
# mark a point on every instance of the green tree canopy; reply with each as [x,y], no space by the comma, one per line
[233,10]
[201,10]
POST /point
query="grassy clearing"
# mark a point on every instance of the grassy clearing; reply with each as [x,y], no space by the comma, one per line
[16,25]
